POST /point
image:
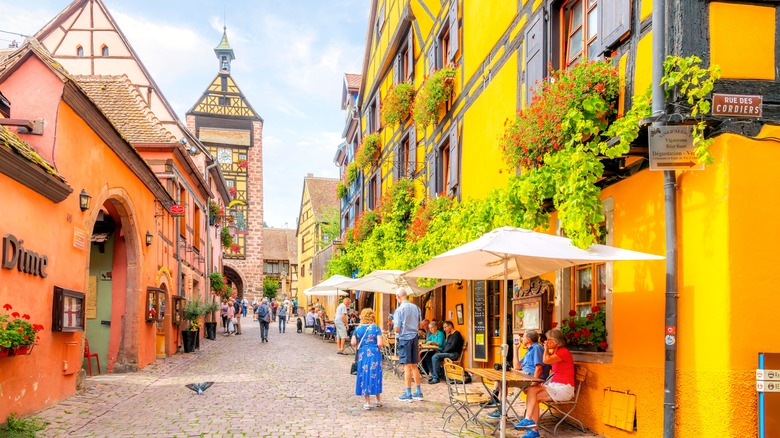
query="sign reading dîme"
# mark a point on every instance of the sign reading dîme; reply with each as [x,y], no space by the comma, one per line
[29,262]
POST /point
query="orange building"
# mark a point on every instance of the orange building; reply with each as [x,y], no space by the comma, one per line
[106,250]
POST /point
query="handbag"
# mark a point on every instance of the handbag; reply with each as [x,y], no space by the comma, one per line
[353,369]
[234,320]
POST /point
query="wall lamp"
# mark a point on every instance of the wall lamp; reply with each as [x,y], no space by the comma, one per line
[148,238]
[84,200]
[459,284]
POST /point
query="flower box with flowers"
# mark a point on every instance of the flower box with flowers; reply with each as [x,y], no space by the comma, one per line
[17,334]
[585,333]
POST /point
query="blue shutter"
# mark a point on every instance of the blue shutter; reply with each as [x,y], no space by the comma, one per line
[454,176]
[397,70]
[534,56]
[411,164]
[453,19]
[615,21]
[431,59]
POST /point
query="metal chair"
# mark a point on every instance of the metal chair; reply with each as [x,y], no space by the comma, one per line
[468,406]
[565,408]
[89,355]
[391,362]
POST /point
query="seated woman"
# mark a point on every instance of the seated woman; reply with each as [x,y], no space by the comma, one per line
[435,338]
[559,388]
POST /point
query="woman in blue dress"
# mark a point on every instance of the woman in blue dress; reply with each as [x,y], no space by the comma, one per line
[367,338]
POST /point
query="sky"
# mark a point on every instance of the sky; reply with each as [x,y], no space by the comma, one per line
[291,56]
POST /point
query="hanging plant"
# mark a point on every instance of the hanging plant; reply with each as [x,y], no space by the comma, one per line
[351,173]
[225,237]
[397,104]
[433,92]
[368,150]
[215,213]
[341,190]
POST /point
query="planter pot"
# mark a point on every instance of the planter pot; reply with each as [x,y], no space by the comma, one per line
[23,350]
[188,340]
[197,339]
[211,330]
[592,348]
[4,352]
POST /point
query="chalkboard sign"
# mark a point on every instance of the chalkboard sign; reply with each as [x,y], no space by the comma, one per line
[480,322]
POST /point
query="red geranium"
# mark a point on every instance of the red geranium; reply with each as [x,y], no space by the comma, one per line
[572,312]
[15,314]
[572,324]
[596,309]
[7,307]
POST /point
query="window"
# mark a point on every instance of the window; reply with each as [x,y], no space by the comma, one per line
[372,124]
[104,50]
[374,191]
[494,307]
[404,165]
[196,221]
[404,60]
[79,51]
[379,23]
[271,267]
[303,270]
[444,166]
[580,18]
[589,287]
[445,47]
[224,101]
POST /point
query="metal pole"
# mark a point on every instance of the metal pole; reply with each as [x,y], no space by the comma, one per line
[504,348]
[670,204]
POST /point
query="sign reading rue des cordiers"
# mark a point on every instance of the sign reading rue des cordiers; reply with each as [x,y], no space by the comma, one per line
[17,256]
[736,105]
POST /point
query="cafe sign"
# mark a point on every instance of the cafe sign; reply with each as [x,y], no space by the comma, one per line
[736,105]
[24,260]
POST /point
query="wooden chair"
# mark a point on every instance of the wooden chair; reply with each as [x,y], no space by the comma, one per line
[89,357]
[566,408]
[459,360]
[466,405]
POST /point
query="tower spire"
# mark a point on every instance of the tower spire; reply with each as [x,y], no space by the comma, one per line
[224,52]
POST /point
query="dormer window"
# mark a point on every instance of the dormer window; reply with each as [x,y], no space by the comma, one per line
[104,50]
[79,51]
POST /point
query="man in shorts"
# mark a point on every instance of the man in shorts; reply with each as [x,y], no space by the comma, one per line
[340,321]
[407,321]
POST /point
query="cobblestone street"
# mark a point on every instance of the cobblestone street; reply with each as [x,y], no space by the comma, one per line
[295,385]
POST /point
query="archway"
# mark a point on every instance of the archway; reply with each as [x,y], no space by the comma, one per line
[234,277]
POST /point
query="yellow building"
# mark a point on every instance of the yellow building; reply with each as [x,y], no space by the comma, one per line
[318,205]
[500,51]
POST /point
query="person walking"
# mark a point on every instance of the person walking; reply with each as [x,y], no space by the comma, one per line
[282,316]
[231,314]
[254,308]
[223,312]
[264,316]
[407,321]
[295,307]
[274,306]
[238,319]
[244,305]
[367,339]
[340,321]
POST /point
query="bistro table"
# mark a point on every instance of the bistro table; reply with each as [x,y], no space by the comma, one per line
[514,379]
[425,350]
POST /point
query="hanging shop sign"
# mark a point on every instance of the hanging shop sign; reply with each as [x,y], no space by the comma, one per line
[177,210]
[737,105]
[16,256]
[671,148]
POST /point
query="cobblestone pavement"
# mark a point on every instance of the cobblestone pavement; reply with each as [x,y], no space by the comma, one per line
[293,386]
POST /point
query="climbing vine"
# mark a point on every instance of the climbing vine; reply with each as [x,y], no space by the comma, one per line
[433,92]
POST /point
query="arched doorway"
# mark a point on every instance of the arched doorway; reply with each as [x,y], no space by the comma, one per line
[114,272]
[234,278]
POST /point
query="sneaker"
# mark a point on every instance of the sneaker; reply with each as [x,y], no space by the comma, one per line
[531,434]
[433,381]
[417,396]
[378,404]
[405,397]
[495,414]
[525,423]
[490,404]
[367,406]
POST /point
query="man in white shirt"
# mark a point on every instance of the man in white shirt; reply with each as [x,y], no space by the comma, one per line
[340,320]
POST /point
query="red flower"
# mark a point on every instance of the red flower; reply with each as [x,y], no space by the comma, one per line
[572,312]
[596,309]
[572,324]
[7,307]
[26,337]
[20,331]
[555,324]
[577,334]
[586,333]
[15,314]
[26,316]
[589,315]
[603,345]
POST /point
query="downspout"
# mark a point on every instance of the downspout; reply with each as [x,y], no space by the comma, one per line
[178,239]
[670,206]
[208,238]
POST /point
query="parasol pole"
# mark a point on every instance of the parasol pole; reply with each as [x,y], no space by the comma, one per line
[504,347]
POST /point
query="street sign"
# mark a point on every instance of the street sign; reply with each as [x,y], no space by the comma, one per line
[177,209]
[767,374]
[737,105]
[762,386]
[671,148]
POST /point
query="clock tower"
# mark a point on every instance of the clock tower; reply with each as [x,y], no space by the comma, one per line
[225,122]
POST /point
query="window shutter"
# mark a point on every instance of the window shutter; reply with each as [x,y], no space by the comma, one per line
[615,20]
[411,164]
[431,59]
[378,189]
[534,59]
[397,70]
[454,158]
[397,162]
[410,55]
[432,174]
[453,18]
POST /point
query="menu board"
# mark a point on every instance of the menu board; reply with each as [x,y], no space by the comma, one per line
[480,322]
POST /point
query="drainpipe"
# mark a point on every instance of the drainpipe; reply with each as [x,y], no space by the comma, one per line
[670,204]
[208,238]
[177,222]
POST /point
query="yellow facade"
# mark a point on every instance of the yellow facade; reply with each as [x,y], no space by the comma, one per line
[727,292]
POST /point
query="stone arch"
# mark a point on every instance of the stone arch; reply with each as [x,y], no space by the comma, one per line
[235,276]
[130,322]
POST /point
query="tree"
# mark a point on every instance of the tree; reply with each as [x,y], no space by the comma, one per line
[270,287]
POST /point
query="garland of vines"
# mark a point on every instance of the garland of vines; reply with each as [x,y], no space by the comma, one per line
[558,142]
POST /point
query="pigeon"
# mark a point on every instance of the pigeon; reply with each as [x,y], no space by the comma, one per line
[199,387]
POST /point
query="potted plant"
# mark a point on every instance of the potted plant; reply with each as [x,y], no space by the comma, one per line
[341,190]
[219,285]
[397,104]
[351,173]
[586,333]
[17,334]
[369,150]
[225,237]
[242,164]
[211,326]
[433,92]
[193,310]
[215,213]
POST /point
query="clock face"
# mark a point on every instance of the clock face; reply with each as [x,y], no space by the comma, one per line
[225,156]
